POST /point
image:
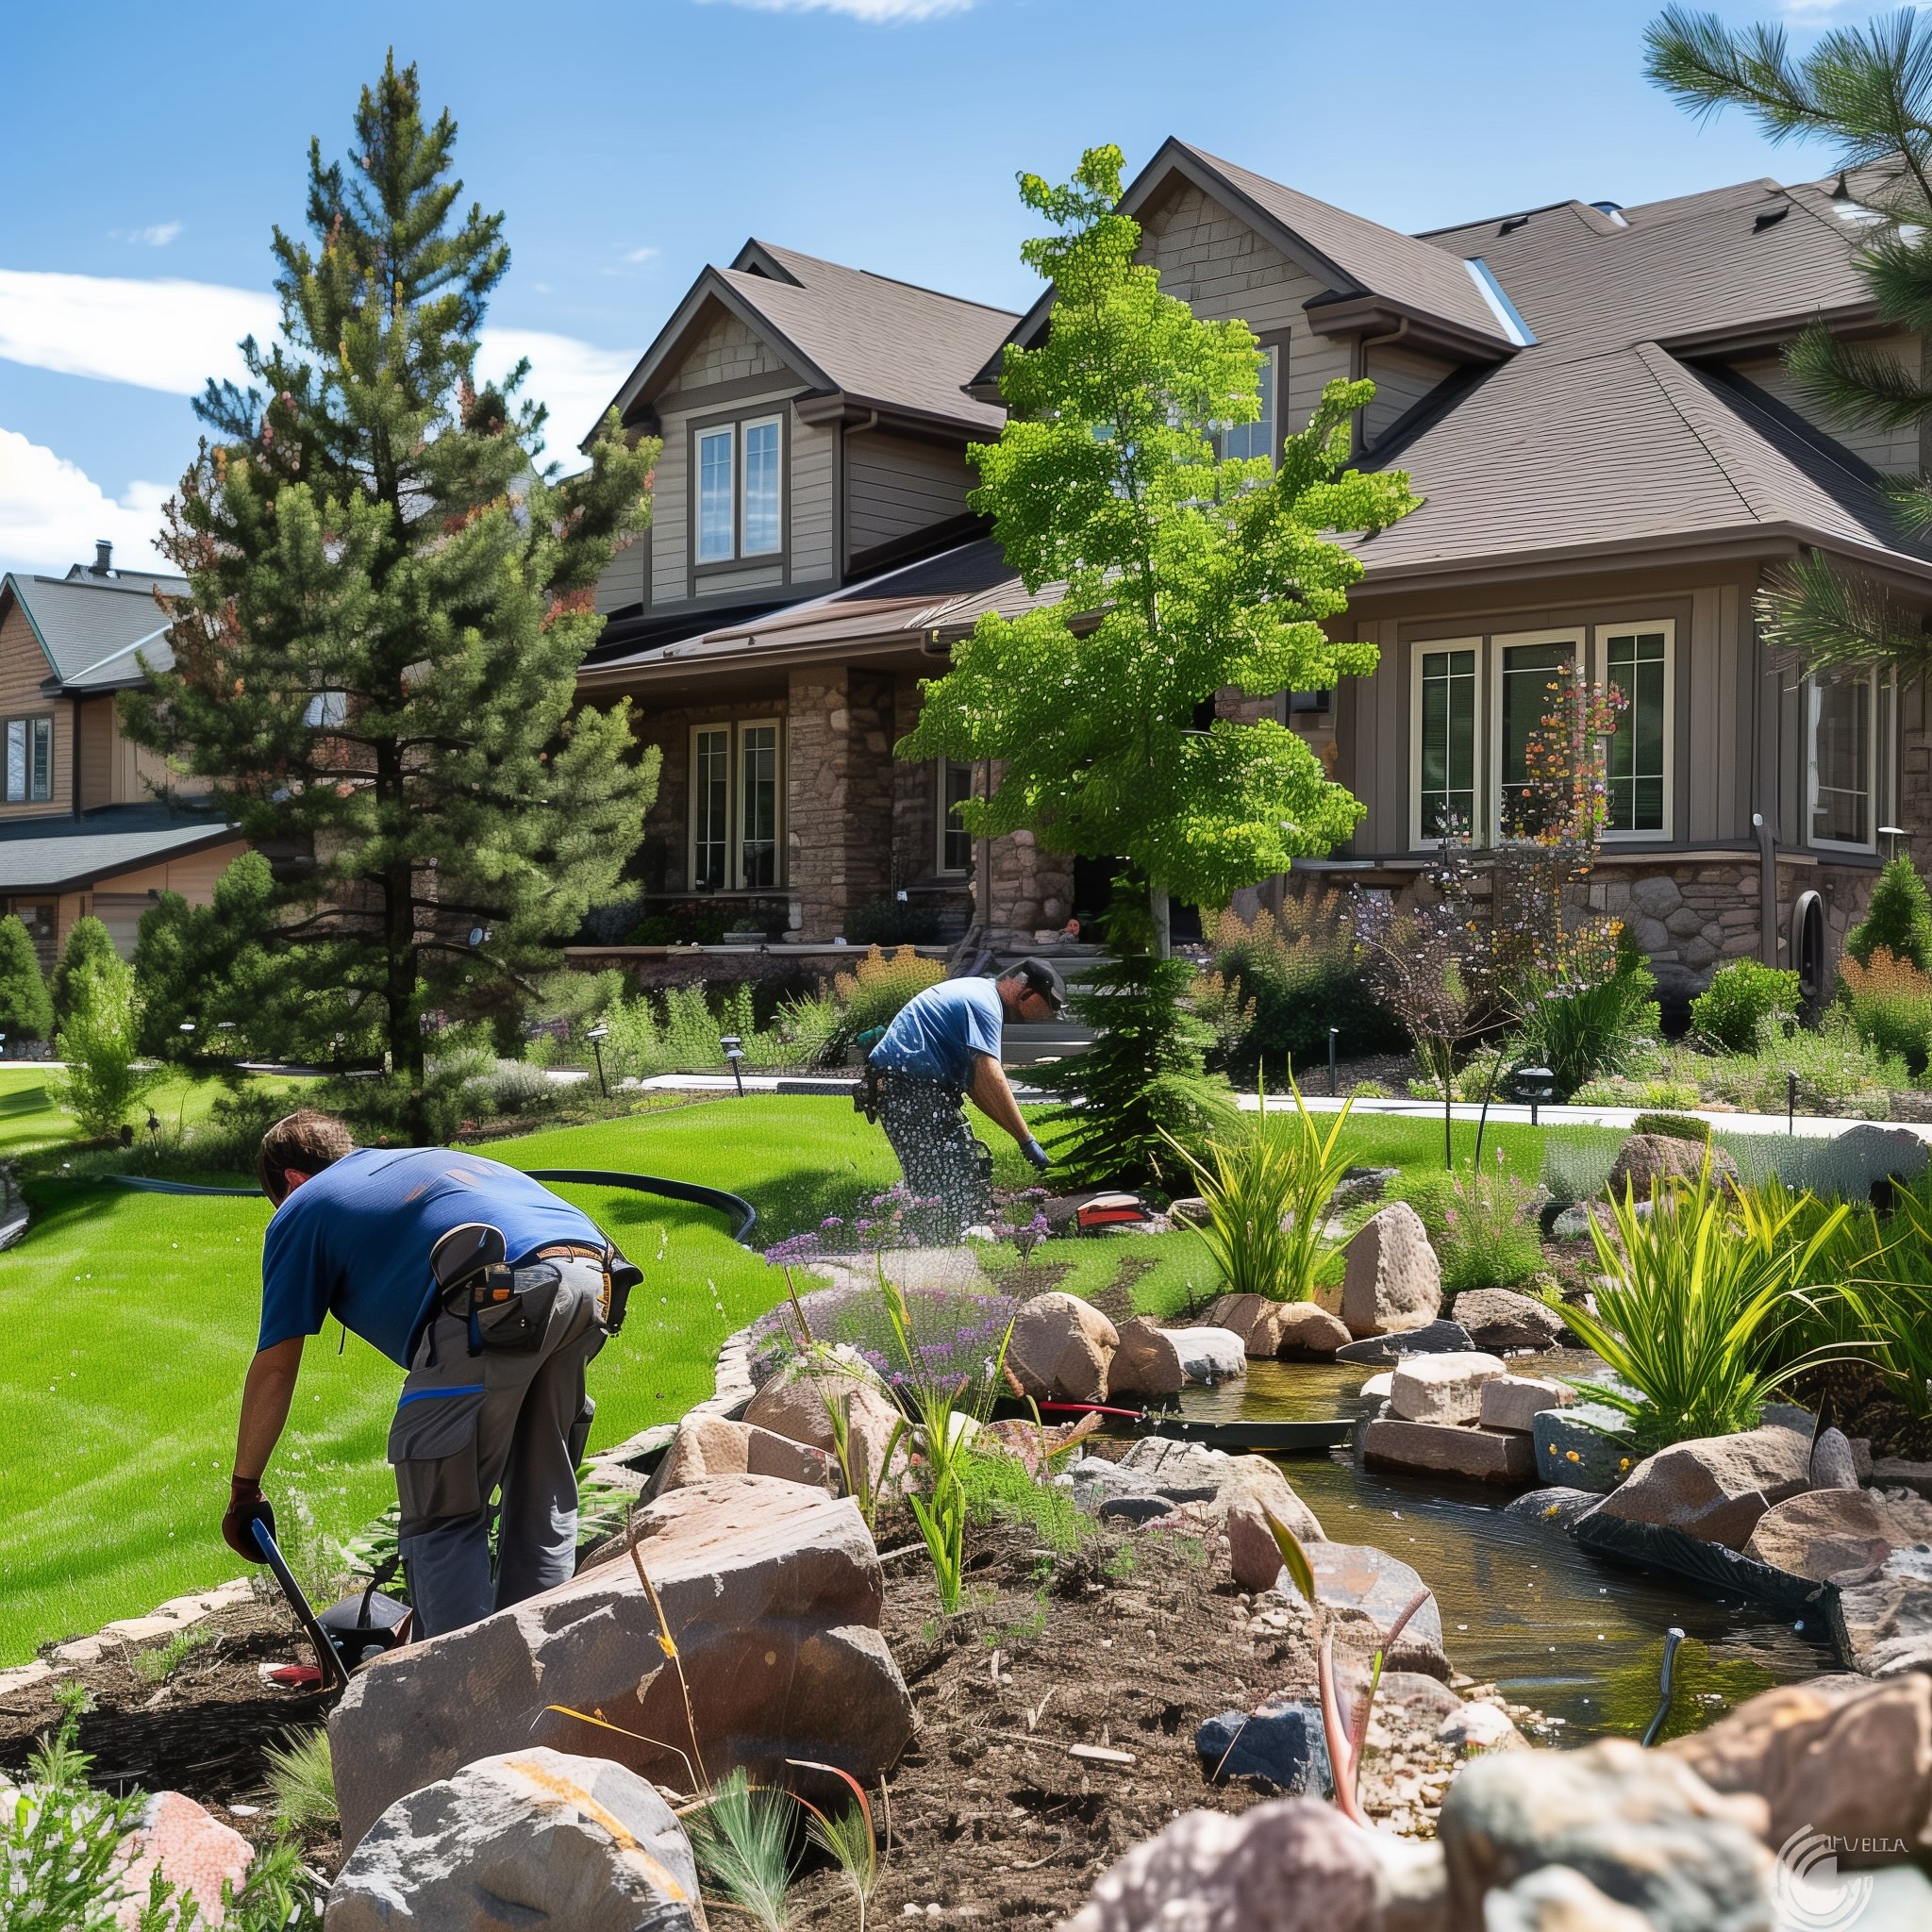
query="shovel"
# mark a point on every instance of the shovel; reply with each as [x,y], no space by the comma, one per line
[347,1634]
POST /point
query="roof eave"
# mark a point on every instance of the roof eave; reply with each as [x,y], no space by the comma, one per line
[218,835]
[1339,316]
[1771,332]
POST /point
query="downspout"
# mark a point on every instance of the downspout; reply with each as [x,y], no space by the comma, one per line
[1767,888]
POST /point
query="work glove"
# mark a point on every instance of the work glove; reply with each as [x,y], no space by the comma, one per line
[1035,1153]
[246,1506]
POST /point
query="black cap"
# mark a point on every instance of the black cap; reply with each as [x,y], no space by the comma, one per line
[1042,979]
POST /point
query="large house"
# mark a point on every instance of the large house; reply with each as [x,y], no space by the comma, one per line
[82,829]
[1592,400]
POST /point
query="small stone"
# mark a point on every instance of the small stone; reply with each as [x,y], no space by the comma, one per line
[1277,1745]
[1556,1506]
[1556,1899]
[1833,1465]
[1188,1210]
[1442,1388]
[1208,1355]
[1377,1387]
[1514,1402]
[1305,1331]
[1479,1725]
[1436,1338]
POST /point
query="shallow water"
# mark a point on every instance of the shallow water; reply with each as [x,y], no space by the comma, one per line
[1553,1626]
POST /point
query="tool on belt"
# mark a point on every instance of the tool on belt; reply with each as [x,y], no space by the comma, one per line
[475,1281]
[866,1095]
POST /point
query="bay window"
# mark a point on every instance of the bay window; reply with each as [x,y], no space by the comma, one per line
[736,775]
[739,491]
[1848,769]
[29,778]
[1637,662]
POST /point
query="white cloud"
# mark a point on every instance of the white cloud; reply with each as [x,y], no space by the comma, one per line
[873,13]
[155,234]
[173,334]
[52,512]
[644,254]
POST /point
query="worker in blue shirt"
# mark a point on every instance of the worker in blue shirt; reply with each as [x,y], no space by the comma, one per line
[943,1049]
[494,1396]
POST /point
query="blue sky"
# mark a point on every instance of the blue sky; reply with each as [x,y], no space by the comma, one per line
[630,143]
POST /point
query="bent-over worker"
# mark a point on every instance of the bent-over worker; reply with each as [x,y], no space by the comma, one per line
[943,1049]
[495,1359]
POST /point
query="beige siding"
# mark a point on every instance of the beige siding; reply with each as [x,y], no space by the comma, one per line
[1214,262]
[670,544]
[814,474]
[727,352]
[98,744]
[621,583]
[1401,377]
[732,583]
[1884,449]
[23,670]
[897,486]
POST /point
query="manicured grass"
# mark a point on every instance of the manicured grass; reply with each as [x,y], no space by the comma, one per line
[32,1121]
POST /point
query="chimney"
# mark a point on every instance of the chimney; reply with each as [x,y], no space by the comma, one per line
[103,558]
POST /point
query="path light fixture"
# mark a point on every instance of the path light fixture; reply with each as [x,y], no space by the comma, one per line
[1537,1085]
[734,1056]
[154,1129]
[1891,835]
[1791,1100]
[1334,1034]
[596,1036]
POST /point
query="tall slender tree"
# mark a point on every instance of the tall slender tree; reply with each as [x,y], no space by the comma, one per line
[387,602]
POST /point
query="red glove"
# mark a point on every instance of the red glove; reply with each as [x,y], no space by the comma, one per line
[245,1507]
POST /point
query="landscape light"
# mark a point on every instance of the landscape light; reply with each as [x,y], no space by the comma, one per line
[734,1056]
[1537,1085]
[596,1036]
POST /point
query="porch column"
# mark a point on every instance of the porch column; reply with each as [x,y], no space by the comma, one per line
[838,787]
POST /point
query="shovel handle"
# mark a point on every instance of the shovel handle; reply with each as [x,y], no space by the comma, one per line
[334,1677]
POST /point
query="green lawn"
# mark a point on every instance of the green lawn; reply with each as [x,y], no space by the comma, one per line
[31,1120]
[129,1318]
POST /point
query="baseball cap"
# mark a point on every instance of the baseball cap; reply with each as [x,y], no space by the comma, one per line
[1043,979]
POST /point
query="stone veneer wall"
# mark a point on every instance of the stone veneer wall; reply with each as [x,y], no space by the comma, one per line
[839,794]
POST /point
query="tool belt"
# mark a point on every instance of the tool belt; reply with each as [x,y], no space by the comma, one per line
[865,1096]
[506,1309]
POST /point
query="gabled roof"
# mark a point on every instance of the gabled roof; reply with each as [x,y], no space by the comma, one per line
[61,854]
[92,628]
[842,331]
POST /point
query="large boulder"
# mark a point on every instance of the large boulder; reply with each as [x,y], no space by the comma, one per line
[1060,1349]
[1392,1280]
[1210,1355]
[193,1850]
[531,1839]
[1644,1160]
[1825,1536]
[1643,1827]
[707,1445]
[772,1592]
[1841,1755]
[1884,1624]
[1483,1456]
[1358,1576]
[1500,1318]
[796,1404]
[1146,1363]
[1714,1487]
[1305,1331]
[1442,1388]
[1584,1445]
[1514,1402]
[1239,1314]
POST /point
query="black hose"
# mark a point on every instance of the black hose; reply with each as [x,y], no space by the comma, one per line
[1673,1636]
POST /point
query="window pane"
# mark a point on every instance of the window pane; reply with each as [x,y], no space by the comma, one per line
[1448,740]
[1842,761]
[42,780]
[1635,666]
[1240,441]
[762,535]
[955,843]
[1528,671]
[714,497]
[757,752]
[710,793]
[16,761]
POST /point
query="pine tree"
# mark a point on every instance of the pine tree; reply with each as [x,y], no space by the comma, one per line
[88,944]
[1898,917]
[388,604]
[26,1012]
[1868,92]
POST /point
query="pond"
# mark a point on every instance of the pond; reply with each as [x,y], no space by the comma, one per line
[1552,1625]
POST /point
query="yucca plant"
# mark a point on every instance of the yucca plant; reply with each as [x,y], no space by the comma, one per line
[1267,1184]
[1694,1300]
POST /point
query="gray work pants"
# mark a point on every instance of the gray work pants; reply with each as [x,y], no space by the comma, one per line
[468,1424]
[948,1173]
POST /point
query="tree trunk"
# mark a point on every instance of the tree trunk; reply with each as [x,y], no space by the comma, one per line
[1163,925]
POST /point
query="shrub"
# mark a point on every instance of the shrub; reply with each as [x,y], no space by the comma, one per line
[1889,999]
[1898,917]
[699,922]
[26,1012]
[1580,1032]
[1837,1073]
[1844,1167]
[871,993]
[1486,1240]
[1675,1126]
[1731,1011]
[89,945]
[1619,1091]
[104,1079]
[1280,982]
[1577,1165]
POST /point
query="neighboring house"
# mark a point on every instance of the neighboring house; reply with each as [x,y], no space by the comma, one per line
[1590,400]
[81,829]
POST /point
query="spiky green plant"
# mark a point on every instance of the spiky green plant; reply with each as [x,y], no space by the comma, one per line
[742,1838]
[302,1778]
[848,1839]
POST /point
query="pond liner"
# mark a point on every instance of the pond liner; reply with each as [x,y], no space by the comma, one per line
[1658,1546]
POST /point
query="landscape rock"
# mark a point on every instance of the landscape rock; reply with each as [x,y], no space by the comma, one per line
[1359,1184]
[1557,1899]
[1838,1754]
[1825,1536]
[1569,1223]
[1896,1473]
[1188,1210]
[193,1850]
[1240,1314]
[773,1592]
[1277,1743]
[794,1404]
[1907,1517]
[1146,1363]
[1289,1865]
[1358,1576]
[707,1445]
[1208,1355]
[1442,1388]
[1305,1331]
[1833,1464]
[1391,1281]
[1895,1152]
[1514,1402]
[1484,1456]
[534,1838]
[1501,1318]
[1170,1464]
[1714,1487]
[1884,1624]
[1414,1692]
[1432,1338]
[1554,1505]
[1640,1826]
[1480,1726]
[1377,1387]
[1060,1349]
[1645,1160]
[1132,1507]
[1585,1446]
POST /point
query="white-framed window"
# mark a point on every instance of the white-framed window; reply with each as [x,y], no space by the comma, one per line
[955,780]
[737,805]
[328,711]
[1849,758]
[29,760]
[1445,752]
[1524,665]
[1639,660]
[1245,440]
[741,489]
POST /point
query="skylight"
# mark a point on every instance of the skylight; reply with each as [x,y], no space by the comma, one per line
[1512,325]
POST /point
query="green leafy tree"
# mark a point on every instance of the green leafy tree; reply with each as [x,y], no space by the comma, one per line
[100,1040]
[389,600]
[87,946]
[26,1012]
[1868,91]
[1898,917]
